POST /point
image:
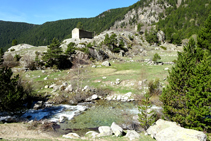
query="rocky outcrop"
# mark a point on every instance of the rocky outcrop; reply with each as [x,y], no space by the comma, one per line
[116,129]
[161,36]
[170,131]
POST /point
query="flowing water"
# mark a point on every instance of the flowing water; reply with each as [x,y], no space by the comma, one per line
[85,117]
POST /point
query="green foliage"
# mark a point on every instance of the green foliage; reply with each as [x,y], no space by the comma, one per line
[176,39]
[80,25]
[111,42]
[14,42]
[146,116]
[156,57]
[1,56]
[54,56]
[151,36]
[11,92]
[139,26]
[203,39]
[164,48]
[187,98]
[17,57]
[185,20]
[70,49]
[154,87]
[89,45]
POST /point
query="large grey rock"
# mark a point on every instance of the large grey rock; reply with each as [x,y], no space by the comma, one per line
[91,134]
[117,130]
[71,136]
[105,131]
[170,131]
[132,134]
[106,63]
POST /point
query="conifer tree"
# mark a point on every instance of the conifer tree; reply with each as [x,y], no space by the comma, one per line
[146,116]
[53,54]
[187,98]
[11,92]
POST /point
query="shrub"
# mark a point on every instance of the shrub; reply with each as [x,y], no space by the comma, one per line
[164,48]
[9,61]
[17,57]
[156,57]
[12,49]
[154,87]
[29,63]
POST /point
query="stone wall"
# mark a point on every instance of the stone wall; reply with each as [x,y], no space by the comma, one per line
[79,33]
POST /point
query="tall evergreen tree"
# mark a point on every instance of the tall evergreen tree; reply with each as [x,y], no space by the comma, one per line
[11,92]
[203,39]
[53,54]
[187,98]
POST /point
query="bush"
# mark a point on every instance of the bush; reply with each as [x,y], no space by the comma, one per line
[154,87]
[156,57]
[12,93]
[9,61]
[164,48]
[29,63]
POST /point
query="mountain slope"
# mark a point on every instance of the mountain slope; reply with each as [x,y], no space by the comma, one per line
[183,17]
[12,30]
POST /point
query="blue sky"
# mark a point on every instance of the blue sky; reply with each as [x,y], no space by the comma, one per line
[41,11]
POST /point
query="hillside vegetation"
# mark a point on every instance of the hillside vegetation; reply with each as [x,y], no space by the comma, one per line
[184,21]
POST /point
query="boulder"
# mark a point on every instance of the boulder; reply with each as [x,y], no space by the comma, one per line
[46,78]
[105,131]
[71,136]
[117,81]
[170,131]
[69,88]
[91,134]
[132,134]
[117,130]
[93,97]
[106,63]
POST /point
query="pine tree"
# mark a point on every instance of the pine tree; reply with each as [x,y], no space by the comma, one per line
[53,54]
[11,92]
[187,98]
[203,39]
[146,116]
